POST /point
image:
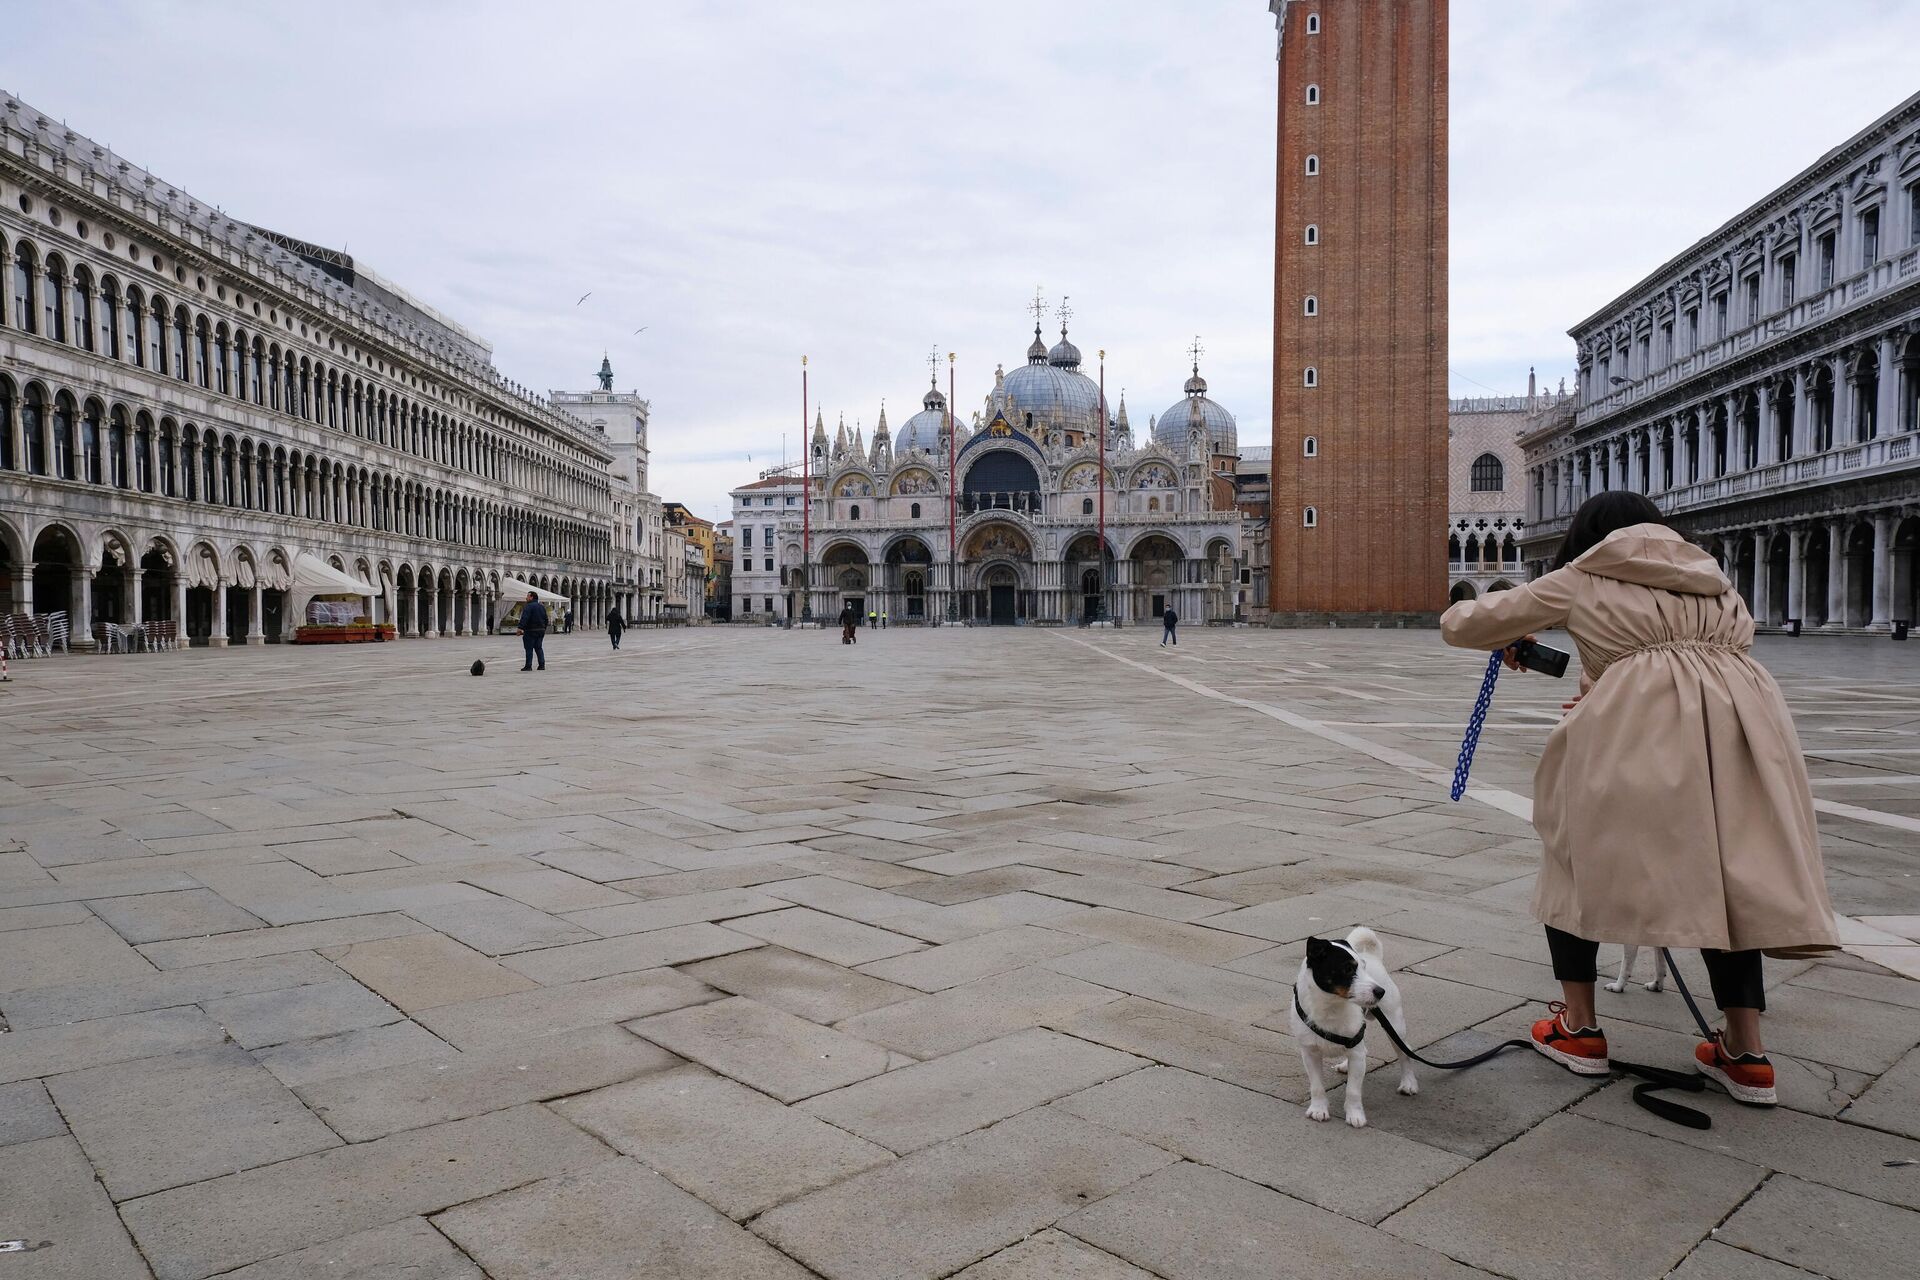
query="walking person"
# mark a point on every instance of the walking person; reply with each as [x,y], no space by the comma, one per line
[615,624]
[873,619]
[568,630]
[849,625]
[533,632]
[1169,621]
[1672,800]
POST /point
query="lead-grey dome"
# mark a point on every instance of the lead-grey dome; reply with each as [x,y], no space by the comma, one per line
[1223,434]
[1060,397]
[1064,354]
[922,430]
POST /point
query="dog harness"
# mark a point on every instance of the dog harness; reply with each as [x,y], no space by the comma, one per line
[1345,1042]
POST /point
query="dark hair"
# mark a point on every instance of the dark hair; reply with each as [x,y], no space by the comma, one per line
[1599,516]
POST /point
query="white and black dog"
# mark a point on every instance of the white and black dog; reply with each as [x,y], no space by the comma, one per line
[1628,954]
[1338,983]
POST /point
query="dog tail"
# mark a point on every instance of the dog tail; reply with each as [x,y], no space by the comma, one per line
[1366,942]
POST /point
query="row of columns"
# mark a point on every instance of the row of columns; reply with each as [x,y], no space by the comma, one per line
[1882,580]
[1051,593]
[1631,460]
[441,619]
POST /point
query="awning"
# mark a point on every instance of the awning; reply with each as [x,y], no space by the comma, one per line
[512,589]
[311,573]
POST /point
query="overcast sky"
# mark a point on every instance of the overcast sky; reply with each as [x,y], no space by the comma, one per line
[865,180]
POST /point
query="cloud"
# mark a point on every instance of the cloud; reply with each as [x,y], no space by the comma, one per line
[860,181]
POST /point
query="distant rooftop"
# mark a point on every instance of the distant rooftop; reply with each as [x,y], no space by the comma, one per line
[1508,404]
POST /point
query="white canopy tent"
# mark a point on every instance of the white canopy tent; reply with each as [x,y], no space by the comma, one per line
[315,575]
[513,594]
[315,579]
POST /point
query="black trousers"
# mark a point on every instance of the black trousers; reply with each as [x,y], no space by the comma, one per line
[613,634]
[1734,975]
[535,643]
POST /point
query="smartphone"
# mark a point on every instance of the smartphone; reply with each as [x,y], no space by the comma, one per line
[1543,658]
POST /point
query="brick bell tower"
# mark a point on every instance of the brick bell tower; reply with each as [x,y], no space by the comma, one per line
[1360,314]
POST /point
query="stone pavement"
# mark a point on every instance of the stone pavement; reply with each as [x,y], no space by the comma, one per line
[961,952]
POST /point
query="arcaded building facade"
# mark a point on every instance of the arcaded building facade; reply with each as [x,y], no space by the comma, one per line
[1487,485]
[192,407]
[1359,474]
[998,520]
[1764,388]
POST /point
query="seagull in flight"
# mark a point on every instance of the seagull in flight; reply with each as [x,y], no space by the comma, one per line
[641,329]
[583,297]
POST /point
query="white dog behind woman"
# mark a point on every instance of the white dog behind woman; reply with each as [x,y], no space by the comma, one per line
[1672,801]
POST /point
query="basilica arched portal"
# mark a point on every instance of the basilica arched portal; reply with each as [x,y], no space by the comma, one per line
[846,574]
[1155,561]
[999,575]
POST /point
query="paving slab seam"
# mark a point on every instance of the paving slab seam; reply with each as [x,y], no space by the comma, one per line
[1494,797]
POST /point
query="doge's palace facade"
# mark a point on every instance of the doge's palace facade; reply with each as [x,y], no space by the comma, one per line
[192,408]
[1764,388]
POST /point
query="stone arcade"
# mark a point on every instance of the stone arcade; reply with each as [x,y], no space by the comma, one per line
[1764,388]
[189,405]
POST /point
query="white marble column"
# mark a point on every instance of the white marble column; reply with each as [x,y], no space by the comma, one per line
[1843,396]
[135,614]
[180,609]
[80,617]
[1802,435]
[256,613]
[1887,403]
[1882,593]
[1767,449]
[432,629]
[217,629]
[1836,574]
[1762,603]
[1797,574]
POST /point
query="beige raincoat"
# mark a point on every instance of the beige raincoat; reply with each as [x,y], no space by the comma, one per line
[1672,801]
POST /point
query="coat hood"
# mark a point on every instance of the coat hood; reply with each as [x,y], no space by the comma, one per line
[1652,555]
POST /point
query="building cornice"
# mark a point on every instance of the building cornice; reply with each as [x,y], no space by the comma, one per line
[1829,170]
[59,164]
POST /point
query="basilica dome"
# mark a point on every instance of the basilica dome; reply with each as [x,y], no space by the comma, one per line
[1051,387]
[1170,428]
[922,430]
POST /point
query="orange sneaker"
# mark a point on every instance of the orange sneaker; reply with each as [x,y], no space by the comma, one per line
[1748,1078]
[1582,1051]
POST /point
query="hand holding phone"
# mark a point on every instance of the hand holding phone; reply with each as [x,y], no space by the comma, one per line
[1544,658]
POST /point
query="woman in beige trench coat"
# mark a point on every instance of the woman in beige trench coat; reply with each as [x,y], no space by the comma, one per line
[1672,801]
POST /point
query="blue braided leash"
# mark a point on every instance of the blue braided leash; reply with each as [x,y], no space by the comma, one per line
[1475,723]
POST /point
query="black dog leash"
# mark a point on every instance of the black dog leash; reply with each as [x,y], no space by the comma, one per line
[1656,1078]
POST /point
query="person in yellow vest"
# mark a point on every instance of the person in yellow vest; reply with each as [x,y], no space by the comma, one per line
[883,619]
[873,618]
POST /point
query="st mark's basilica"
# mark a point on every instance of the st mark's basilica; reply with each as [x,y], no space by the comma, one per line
[1027,509]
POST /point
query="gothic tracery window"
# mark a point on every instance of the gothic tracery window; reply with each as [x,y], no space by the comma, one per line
[1489,474]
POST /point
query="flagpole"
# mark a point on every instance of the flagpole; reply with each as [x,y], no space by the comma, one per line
[806,504]
[953,544]
[1100,552]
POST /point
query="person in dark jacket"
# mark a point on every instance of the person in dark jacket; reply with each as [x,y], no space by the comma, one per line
[1170,620]
[615,625]
[569,625]
[533,631]
[849,625]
